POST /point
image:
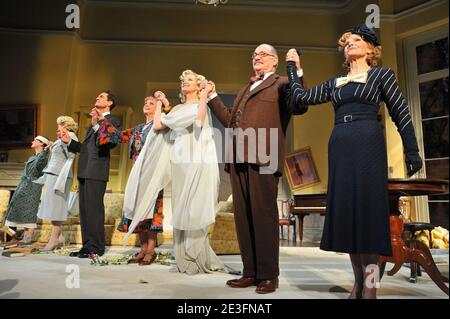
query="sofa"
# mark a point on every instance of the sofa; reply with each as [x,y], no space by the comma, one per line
[223,237]
[4,200]
[71,228]
[222,234]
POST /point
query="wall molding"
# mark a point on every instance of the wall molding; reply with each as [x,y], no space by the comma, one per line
[163,43]
[328,7]
[412,11]
[10,174]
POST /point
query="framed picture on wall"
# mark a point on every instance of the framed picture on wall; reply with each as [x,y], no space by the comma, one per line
[300,169]
[18,125]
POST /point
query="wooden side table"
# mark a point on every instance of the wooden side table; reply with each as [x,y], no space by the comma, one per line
[305,205]
[413,250]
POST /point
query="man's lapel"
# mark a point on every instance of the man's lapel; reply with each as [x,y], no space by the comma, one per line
[89,133]
[237,101]
[265,84]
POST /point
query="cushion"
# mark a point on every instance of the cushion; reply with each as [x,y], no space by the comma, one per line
[4,201]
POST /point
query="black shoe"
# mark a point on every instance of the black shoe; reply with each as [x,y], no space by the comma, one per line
[86,254]
[77,253]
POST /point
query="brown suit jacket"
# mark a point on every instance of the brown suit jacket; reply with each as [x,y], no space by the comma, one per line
[263,108]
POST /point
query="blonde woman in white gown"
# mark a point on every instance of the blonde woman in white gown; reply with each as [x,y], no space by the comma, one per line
[180,149]
[57,181]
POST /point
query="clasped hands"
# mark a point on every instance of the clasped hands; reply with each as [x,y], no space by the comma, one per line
[292,56]
[207,88]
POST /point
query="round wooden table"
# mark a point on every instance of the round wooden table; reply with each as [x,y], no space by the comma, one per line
[413,250]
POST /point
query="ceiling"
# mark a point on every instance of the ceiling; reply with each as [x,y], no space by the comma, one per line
[276,4]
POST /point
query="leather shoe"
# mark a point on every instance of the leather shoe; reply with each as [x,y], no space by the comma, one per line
[86,254]
[77,253]
[267,286]
[243,282]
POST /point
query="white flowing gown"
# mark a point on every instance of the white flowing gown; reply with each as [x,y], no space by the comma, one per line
[184,155]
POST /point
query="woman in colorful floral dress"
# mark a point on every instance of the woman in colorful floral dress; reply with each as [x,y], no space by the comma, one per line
[148,228]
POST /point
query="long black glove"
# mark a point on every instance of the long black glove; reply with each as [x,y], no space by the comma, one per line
[413,163]
[294,82]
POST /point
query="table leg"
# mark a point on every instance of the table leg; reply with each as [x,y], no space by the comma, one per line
[414,273]
[420,254]
[300,226]
[295,232]
[397,243]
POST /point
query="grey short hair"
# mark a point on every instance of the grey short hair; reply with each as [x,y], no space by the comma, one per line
[271,48]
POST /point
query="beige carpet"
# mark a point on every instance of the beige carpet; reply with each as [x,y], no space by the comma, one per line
[306,273]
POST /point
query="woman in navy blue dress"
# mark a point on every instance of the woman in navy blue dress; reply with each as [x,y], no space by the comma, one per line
[357,219]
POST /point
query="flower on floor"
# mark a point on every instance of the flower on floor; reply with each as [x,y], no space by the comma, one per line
[164,259]
[161,258]
[96,260]
[58,251]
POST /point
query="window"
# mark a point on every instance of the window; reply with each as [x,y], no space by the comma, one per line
[428,77]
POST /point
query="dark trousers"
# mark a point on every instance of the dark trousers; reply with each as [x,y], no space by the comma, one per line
[256,218]
[92,214]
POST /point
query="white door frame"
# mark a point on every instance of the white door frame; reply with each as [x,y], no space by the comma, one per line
[412,85]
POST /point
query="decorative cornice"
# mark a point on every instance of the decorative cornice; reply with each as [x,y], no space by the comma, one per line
[322,7]
[166,43]
[412,11]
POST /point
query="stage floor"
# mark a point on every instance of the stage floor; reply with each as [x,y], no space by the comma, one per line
[306,273]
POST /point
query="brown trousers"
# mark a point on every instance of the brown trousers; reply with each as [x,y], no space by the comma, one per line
[256,218]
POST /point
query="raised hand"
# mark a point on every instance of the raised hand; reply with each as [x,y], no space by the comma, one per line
[293,56]
[49,145]
[202,86]
[212,87]
[64,135]
[160,96]
[95,116]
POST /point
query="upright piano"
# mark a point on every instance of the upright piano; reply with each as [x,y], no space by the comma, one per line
[308,204]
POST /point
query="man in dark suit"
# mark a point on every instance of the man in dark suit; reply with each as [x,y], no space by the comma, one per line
[93,174]
[262,107]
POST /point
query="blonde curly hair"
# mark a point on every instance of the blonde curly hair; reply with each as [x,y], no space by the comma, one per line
[373,56]
[67,122]
[199,78]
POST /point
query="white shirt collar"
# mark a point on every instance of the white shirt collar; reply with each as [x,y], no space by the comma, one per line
[267,75]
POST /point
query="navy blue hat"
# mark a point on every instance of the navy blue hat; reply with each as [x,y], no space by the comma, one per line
[366,33]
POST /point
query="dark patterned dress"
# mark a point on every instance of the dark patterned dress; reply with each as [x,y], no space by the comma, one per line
[357,219]
[136,138]
[23,207]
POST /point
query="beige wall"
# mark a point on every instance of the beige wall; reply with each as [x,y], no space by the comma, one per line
[35,69]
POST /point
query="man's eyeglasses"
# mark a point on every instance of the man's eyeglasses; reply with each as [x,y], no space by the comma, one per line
[261,55]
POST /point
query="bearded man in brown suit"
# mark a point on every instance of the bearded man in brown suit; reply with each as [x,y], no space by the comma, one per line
[258,121]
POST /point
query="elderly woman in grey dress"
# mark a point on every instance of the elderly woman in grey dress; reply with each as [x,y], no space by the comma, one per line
[57,182]
[23,207]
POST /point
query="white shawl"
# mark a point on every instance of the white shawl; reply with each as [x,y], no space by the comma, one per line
[157,161]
